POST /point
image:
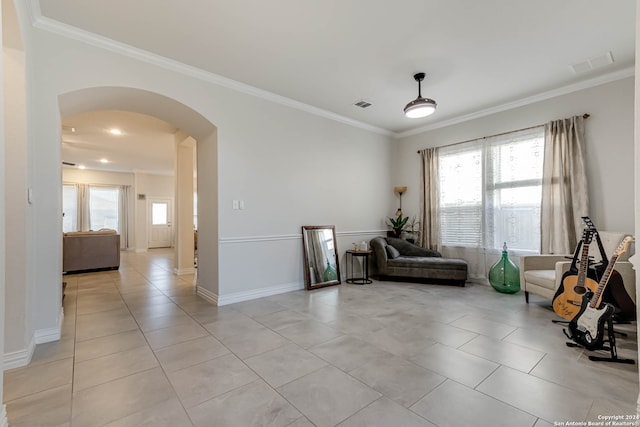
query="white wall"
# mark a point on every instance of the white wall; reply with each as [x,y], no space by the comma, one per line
[609,147]
[86,176]
[183,224]
[19,334]
[291,168]
[155,185]
[3,15]
[300,172]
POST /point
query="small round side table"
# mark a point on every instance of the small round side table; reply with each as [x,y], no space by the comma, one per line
[364,280]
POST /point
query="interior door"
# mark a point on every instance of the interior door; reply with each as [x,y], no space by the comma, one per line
[160,231]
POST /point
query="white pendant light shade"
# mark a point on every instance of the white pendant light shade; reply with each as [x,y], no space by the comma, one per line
[420,107]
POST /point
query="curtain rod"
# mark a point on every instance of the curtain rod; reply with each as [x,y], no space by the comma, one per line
[584,116]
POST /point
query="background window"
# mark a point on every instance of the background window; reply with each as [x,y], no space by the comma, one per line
[159,213]
[490,191]
[103,208]
[69,208]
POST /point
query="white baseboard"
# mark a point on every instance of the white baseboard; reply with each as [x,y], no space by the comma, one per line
[140,250]
[17,359]
[258,293]
[51,334]
[184,271]
[4,422]
[207,294]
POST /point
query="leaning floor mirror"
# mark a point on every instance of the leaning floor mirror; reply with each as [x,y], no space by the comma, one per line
[320,256]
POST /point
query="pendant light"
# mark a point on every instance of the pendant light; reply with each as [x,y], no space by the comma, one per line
[420,107]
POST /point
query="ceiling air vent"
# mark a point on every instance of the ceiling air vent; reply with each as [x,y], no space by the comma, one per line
[363,104]
[592,63]
[68,164]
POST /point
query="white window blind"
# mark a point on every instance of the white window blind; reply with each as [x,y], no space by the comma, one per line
[490,191]
[460,184]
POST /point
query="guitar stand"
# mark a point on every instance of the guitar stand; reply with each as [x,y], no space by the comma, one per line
[612,346]
[566,322]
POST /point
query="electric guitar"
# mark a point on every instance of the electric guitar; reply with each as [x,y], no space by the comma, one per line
[568,298]
[587,328]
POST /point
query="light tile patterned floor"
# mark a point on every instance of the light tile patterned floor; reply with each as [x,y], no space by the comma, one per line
[140,348]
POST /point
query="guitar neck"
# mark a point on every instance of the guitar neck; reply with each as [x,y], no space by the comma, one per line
[584,264]
[597,296]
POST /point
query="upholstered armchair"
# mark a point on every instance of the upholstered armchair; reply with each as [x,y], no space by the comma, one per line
[542,274]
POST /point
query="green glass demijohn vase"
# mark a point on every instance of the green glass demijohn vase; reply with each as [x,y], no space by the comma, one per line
[330,273]
[504,276]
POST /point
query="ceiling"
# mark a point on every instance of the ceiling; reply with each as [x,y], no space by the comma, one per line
[144,144]
[479,56]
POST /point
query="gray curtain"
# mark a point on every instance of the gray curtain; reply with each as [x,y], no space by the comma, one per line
[565,195]
[429,225]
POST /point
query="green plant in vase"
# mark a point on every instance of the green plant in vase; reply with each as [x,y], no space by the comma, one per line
[398,224]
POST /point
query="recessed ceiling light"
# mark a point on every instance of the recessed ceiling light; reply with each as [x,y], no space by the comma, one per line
[82,167]
[104,161]
[115,131]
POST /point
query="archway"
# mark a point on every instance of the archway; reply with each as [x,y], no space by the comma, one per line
[193,124]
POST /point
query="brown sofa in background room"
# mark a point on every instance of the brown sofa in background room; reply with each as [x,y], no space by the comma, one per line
[90,250]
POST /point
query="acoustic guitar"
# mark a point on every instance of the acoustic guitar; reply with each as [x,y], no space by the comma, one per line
[568,298]
[587,328]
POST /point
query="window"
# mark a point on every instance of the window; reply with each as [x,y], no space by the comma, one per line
[103,207]
[195,210]
[159,213]
[490,191]
[69,208]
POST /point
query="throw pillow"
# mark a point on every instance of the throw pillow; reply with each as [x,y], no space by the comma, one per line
[392,252]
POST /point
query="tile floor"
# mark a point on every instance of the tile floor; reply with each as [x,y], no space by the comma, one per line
[140,348]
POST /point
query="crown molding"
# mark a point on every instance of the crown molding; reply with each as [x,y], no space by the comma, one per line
[585,84]
[47,24]
[71,32]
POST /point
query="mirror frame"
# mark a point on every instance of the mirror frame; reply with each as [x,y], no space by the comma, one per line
[307,262]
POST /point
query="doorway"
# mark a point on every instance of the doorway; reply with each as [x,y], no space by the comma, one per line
[205,133]
[160,221]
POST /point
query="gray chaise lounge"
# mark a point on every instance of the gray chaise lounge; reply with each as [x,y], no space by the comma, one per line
[397,259]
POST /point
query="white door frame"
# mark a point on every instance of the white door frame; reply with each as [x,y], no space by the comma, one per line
[170,215]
